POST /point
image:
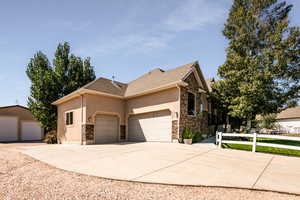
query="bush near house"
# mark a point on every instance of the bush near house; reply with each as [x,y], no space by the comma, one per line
[187,133]
[51,137]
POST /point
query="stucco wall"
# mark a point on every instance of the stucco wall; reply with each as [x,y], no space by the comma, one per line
[167,99]
[71,133]
[163,100]
[104,105]
[199,122]
[289,125]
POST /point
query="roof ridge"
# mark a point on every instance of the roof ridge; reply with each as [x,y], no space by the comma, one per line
[164,71]
[1,107]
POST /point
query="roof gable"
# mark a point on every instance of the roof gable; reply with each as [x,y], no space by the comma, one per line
[107,86]
[196,71]
[157,78]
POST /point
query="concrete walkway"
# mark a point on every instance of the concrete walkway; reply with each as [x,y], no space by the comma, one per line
[198,164]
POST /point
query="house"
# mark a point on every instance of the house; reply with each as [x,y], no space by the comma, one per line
[155,107]
[288,121]
[18,124]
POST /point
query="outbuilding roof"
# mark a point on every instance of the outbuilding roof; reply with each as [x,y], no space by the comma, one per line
[289,113]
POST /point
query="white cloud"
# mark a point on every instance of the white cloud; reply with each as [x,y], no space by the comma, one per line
[128,44]
[195,14]
[189,15]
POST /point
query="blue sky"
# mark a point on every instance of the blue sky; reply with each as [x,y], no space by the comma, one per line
[124,38]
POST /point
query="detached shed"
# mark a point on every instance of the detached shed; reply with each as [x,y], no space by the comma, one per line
[18,124]
[289,120]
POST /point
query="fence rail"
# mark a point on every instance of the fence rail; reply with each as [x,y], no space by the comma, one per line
[220,140]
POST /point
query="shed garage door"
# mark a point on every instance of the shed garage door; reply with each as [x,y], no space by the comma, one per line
[106,129]
[154,126]
[8,129]
[31,131]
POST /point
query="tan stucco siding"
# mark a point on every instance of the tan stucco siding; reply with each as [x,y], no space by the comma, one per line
[104,105]
[164,100]
[71,133]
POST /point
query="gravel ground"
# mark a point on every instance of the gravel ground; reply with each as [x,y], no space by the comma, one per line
[22,177]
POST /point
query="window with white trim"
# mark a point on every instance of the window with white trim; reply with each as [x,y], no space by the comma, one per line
[191,104]
[201,107]
[69,118]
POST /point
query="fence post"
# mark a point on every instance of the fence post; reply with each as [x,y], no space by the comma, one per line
[220,139]
[254,142]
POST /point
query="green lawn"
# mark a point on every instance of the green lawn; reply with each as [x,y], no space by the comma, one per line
[268,149]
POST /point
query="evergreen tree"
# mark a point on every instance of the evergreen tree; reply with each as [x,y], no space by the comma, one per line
[48,83]
[262,69]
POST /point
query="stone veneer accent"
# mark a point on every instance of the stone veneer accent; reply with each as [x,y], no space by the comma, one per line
[88,133]
[122,132]
[199,122]
[174,129]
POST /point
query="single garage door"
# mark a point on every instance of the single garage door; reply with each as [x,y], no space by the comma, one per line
[153,127]
[106,129]
[31,131]
[8,129]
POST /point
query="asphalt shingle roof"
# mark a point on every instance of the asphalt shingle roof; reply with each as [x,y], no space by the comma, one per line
[289,113]
[152,80]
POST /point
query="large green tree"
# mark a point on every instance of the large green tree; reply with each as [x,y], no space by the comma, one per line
[69,72]
[43,91]
[261,73]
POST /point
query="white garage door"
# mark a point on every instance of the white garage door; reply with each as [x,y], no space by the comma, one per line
[106,129]
[155,126]
[31,131]
[8,129]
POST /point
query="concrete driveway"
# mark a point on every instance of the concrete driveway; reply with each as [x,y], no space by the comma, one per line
[198,164]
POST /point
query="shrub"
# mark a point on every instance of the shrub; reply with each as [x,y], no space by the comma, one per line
[187,133]
[198,137]
[51,137]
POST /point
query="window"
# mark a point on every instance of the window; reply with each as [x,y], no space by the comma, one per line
[191,104]
[201,107]
[69,118]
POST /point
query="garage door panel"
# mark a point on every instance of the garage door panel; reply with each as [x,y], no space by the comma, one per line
[8,129]
[31,131]
[106,129]
[155,126]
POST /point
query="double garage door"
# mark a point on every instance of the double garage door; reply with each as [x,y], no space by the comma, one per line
[152,127]
[9,130]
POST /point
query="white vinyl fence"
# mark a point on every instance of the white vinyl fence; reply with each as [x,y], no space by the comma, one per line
[221,139]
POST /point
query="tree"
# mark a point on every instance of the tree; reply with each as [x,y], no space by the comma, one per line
[43,91]
[71,71]
[48,83]
[267,122]
[262,69]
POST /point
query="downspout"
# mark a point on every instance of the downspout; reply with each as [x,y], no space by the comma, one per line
[81,142]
